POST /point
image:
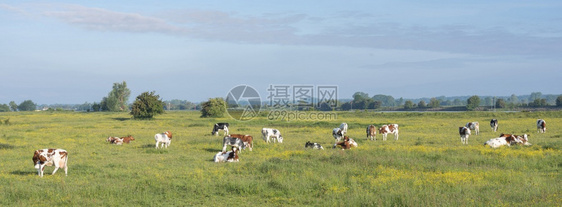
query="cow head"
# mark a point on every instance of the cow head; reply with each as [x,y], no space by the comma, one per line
[169,134]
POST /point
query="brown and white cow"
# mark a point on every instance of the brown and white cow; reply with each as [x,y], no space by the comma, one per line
[465,133]
[523,139]
[475,126]
[120,140]
[391,128]
[504,139]
[128,139]
[247,139]
[48,157]
[541,126]
[231,156]
[347,143]
[494,124]
[372,132]
[165,138]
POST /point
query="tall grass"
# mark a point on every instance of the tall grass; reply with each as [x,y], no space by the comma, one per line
[427,166]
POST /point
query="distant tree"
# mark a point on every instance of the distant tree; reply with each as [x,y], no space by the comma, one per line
[534,96]
[325,106]
[500,103]
[409,105]
[434,103]
[117,98]
[215,107]
[147,105]
[27,105]
[457,102]
[346,106]
[513,99]
[360,96]
[422,104]
[559,101]
[375,104]
[96,107]
[488,101]
[386,100]
[540,102]
[472,103]
[4,108]
[13,106]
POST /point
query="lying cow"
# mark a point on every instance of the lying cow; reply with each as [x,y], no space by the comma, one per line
[273,134]
[247,139]
[313,145]
[475,126]
[234,142]
[231,156]
[524,139]
[347,143]
[391,128]
[164,138]
[494,124]
[541,126]
[48,157]
[120,140]
[502,140]
[220,126]
[465,133]
[372,132]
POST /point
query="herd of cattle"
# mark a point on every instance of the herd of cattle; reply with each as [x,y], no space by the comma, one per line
[59,157]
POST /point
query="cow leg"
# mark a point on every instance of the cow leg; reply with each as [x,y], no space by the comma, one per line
[54,171]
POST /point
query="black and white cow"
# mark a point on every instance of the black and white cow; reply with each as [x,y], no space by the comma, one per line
[273,134]
[465,133]
[494,124]
[220,126]
[313,145]
[475,126]
[541,126]
[339,132]
[234,142]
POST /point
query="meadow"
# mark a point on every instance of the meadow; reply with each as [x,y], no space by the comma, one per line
[427,166]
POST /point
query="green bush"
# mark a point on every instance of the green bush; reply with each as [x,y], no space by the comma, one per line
[147,105]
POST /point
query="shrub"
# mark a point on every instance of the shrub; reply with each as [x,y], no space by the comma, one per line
[147,105]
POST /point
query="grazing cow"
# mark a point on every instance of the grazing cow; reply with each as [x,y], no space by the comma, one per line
[220,126]
[48,157]
[465,133]
[337,133]
[541,126]
[165,138]
[313,145]
[347,143]
[372,132]
[502,140]
[343,127]
[391,128]
[234,142]
[494,125]
[524,139]
[231,156]
[247,139]
[268,133]
[473,126]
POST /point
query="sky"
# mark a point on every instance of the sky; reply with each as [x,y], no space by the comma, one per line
[71,52]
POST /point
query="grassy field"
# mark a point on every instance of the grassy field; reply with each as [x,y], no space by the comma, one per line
[427,166]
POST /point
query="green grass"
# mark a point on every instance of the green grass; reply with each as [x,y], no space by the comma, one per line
[427,166]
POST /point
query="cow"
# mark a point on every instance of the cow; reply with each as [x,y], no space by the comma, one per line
[48,157]
[494,125]
[343,127]
[391,128]
[128,139]
[234,142]
[502,140]
[268,133]
[165,138]
[372,132]
[231,156]
[247,139]
[347,143]
[465,133]
[220,126]
[337,134]
[313,145]
[473,126]
[524,139]
[114,140]
[541,126]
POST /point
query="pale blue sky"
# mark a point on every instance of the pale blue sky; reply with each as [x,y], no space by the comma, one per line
[73,51]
